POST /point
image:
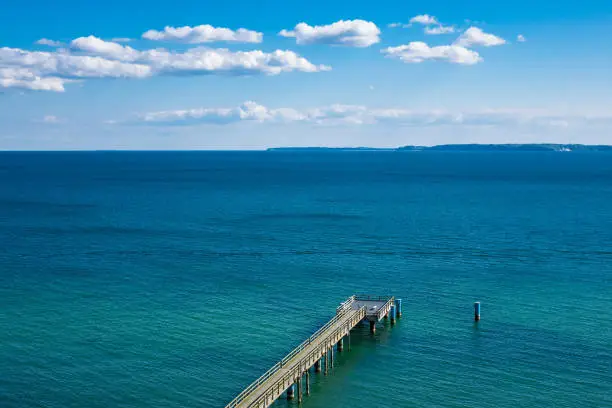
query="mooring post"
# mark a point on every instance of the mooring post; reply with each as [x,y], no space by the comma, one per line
[290,392]
[340,345]
[392,314]
[372,327]
[307,382]
[398,308]
[476,311]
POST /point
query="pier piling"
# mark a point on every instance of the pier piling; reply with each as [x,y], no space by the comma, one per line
[476,311]
[326,363]
[290,392]
[299,389]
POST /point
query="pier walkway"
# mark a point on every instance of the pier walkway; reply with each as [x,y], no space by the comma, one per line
[316,351]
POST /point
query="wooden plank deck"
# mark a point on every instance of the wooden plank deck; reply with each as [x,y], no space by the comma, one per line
[270,386]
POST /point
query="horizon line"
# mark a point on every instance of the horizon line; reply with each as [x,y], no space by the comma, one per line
[264,149]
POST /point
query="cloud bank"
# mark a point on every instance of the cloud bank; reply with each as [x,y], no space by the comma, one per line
[339,114]
[91,57]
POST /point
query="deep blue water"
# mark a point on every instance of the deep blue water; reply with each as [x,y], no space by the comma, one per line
[174,279]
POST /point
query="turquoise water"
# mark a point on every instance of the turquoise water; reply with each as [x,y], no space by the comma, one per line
[175,279]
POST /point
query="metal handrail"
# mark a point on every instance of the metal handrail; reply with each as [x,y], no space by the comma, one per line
[288,357]
[345,305]
[372,298]
[381,311]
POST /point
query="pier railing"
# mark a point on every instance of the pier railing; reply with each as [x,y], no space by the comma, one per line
[341,312]
[371,298]
[382,311]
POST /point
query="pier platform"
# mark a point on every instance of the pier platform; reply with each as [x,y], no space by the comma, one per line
[292,373]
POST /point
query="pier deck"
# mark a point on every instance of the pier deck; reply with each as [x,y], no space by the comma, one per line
[312,352]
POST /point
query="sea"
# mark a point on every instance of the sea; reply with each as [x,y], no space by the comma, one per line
[175,279]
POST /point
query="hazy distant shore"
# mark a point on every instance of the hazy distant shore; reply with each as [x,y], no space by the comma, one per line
[466,148]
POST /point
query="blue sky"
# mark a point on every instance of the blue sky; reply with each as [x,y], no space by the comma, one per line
[154,75]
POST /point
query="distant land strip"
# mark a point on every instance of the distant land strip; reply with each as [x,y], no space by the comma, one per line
[539,147]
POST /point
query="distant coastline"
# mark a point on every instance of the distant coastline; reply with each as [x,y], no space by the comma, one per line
[537,147]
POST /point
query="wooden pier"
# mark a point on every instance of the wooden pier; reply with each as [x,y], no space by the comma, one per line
[292,373]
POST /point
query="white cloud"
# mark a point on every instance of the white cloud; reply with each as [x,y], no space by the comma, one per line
[339,114]
[91,57]
[351,33]
[439,29]
[457,53]
[417,51]
[50,119]
[50,43]
[65,65]
[521,38]
[223,61]
[424,19]
[121,39]
[203,34]
[109,49]
[475,36]
[433,26]
[34,84]
[22,78]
